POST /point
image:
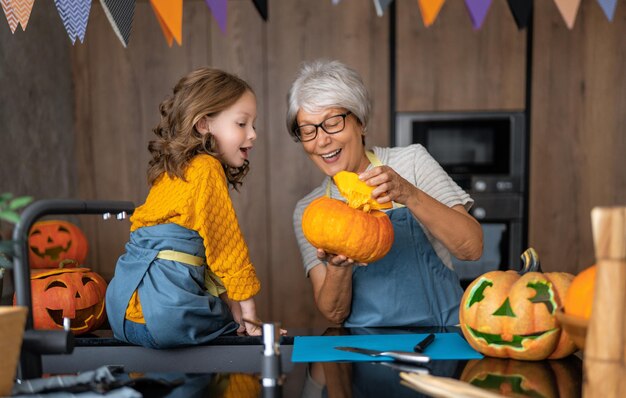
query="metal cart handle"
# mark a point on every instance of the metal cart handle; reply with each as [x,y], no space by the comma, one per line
[30,359]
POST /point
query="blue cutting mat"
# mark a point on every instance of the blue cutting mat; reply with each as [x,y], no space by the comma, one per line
[321,348]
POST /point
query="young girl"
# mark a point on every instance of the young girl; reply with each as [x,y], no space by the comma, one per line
[186,276]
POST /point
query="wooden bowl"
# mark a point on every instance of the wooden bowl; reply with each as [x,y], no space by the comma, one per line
[576,327]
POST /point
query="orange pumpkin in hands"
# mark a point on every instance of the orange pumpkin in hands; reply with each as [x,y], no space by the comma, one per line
[355,229]
[506,314]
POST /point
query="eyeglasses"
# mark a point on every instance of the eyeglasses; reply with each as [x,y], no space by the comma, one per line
[333,125]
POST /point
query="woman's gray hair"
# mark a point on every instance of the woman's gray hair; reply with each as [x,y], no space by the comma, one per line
[323,84]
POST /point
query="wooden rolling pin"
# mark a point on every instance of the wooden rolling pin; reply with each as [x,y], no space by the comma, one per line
[605,346]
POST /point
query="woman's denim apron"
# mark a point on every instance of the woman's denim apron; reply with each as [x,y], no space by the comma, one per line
[176,306]
[410,286]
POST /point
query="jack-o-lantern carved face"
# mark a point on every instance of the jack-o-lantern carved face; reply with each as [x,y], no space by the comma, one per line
[75,293]
[53,241]
[511,378]
[503,314]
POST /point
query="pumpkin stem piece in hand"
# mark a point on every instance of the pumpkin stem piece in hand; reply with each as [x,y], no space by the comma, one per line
[358,193]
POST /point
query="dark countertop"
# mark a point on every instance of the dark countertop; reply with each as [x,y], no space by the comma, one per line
[234,363]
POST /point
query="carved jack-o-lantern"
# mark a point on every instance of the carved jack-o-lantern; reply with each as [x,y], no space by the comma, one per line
[508,315]
[50,242]
[561,378]
[74,293]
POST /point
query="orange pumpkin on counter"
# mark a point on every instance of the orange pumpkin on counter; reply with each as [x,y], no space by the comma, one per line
[507,314]
[50,242]
[579,297]
[74,293]
[355,229]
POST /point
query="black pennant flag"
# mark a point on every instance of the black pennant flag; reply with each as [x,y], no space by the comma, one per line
[521,11]
[120,14]
[261,6]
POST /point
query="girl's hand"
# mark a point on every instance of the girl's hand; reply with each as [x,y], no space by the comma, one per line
[337,260]
[389,185]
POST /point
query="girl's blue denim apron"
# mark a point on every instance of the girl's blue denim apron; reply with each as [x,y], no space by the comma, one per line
[410,286]
[176,306]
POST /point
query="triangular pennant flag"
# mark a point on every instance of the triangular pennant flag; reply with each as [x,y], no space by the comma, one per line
[169,13]
[478,11]
[120,14]
[429,10]
[7,6]
[17,12]
[261,7]
[381,5]
[74,14]
[521,11]
[219,11]
[568,10]
[608,6]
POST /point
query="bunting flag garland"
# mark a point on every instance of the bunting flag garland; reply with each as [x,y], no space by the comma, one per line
[608,6]
[218,9]
[568,10]
[17,12]
[478,11]
[261,7]
[429,10]
[74,14]
[381,5]
[521,12]
[169,13]
[120,14]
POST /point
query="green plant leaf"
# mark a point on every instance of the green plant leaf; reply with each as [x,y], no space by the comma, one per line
[10,216]
[5,197]
[20,202]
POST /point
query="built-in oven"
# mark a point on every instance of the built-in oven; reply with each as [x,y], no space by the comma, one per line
[485,153]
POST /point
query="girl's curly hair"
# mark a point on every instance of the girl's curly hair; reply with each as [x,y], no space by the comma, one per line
[203,92]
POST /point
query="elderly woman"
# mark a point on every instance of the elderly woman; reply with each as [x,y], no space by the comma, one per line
[414,284]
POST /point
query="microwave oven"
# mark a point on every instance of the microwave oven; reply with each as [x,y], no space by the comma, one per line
[481,151]
[485,154]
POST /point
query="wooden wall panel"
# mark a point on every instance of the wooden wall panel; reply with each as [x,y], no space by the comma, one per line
[36,113]
[117,93]
[302,31]
[449,66]
[578,143]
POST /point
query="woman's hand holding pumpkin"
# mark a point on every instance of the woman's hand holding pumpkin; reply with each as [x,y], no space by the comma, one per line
[389,185]
[337,260]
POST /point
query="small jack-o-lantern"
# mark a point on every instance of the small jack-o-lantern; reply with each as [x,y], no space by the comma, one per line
[52,241]
[512,315]
[74,293]
[550,379]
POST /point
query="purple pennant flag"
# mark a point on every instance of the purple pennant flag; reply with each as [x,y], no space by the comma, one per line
[218,9]
[478,11]
[74,14]
[608,6]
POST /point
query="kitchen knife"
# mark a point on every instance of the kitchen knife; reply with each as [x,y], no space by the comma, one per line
[401,356]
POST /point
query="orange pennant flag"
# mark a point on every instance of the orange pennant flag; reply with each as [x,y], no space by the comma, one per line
[170,16]
[430,9]
[568,10]
[17,11]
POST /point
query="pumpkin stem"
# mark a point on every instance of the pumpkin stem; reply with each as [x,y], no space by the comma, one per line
[62,263]
[530,260]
